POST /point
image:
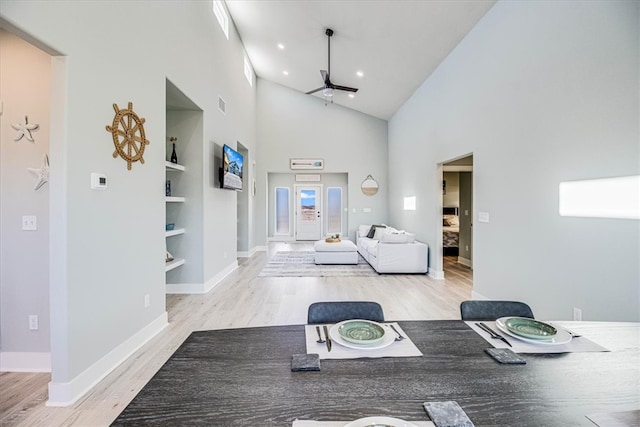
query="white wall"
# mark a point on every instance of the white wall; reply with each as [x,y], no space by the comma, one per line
[108,247]
[540,93]
[294,125]
[24,262]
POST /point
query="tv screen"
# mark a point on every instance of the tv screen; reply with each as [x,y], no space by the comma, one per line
[231,169]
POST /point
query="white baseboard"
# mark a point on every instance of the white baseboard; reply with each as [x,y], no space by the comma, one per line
[17,361]
[465,261]
[436,274]
[201,288]
[281,239]
[211,283]
[249,254]
[65,394]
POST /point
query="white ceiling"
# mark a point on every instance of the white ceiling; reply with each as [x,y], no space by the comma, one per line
[396,44]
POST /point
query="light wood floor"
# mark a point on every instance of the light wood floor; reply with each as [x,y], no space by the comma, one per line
[241,300]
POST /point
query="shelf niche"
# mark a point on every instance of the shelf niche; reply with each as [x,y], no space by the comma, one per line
[184,208]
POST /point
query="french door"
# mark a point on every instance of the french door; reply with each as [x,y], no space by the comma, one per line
[308,212]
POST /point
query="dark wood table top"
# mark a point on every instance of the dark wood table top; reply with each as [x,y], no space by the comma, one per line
[243,376]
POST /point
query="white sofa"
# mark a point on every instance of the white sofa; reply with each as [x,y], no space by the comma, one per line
[392,251]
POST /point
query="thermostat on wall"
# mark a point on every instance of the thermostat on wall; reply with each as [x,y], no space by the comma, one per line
[98,181]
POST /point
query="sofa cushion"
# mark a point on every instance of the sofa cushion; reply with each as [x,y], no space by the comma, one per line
[380,231]
[398,237]
[368,245]
[363,230]
[373,229]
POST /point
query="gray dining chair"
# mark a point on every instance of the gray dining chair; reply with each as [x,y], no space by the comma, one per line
[337,311]
[492,310]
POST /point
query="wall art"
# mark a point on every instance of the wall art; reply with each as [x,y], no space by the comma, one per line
[24,131]
[42,173]
[306,164]
[128,135]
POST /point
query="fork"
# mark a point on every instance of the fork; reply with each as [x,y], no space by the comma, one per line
[320,340]
[399,337]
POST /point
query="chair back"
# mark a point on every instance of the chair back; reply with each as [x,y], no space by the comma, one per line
[337,311]
[492,310]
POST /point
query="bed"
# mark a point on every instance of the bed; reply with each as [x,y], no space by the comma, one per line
[450,230]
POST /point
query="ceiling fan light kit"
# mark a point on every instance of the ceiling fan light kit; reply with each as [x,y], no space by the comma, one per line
[329,87]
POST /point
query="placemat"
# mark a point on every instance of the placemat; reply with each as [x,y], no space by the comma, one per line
[616,419]
[404,348]
[576,345]
[311,423]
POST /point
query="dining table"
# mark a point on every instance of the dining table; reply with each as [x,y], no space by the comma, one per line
[237,377]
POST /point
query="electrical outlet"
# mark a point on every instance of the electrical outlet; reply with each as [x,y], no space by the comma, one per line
[577,313]
[147,301]
[29,222]
[33,322]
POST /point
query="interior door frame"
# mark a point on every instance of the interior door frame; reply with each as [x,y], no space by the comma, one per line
[442,167]
[320,195]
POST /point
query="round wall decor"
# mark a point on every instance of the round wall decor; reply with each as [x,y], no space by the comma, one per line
[128,135]
[369,186]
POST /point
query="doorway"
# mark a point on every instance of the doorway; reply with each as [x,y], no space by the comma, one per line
[243,203]
[308,212]
[30,140]
[457,215]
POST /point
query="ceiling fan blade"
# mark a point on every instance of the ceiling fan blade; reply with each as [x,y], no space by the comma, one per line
[345,88]
[314,91]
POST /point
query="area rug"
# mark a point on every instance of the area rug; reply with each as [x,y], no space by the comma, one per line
[301,264]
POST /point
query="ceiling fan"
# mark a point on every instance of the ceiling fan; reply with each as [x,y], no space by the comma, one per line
[328,87]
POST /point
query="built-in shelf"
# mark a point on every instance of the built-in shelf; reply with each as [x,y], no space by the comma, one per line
[174,232]
[184,135]
[174,199]
[177,262]
[173,166]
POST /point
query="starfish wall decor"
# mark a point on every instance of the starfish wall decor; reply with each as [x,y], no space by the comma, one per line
[42,173]
[25,130]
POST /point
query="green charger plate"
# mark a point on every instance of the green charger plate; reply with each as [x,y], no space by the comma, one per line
[530,328]
[362,332]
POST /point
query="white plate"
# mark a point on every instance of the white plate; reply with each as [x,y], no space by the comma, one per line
[562,337]
[362,332]
[387,339]
[380,421]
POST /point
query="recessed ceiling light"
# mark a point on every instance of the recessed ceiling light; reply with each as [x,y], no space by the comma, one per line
[285,72]
[351,95]
[280,46]
[359,73]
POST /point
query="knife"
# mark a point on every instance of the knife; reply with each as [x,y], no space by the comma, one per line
[326,333]
[493,333]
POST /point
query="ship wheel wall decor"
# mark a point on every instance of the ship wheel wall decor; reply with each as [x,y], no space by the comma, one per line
[128,135]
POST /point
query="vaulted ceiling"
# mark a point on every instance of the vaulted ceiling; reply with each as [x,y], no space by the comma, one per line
[396,45]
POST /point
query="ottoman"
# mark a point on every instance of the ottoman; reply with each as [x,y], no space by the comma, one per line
[342,252]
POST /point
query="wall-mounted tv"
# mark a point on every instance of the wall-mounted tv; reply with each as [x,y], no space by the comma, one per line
[231,171]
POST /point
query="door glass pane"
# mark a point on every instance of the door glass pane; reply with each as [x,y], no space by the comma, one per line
[334,210]
[282,210]
[308,205]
